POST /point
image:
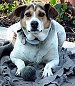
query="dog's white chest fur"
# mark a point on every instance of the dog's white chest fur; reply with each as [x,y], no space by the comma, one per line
[26,52]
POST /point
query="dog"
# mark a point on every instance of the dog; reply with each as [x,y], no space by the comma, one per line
[39,37]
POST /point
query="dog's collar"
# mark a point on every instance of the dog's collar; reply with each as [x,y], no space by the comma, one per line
[24,38]
[35,41]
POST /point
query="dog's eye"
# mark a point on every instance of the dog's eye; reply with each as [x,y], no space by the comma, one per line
[41,14]
[28,14]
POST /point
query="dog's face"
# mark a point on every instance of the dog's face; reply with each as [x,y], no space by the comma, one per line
[35,18]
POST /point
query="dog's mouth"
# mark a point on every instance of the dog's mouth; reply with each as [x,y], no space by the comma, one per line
[36,39]
[34,32]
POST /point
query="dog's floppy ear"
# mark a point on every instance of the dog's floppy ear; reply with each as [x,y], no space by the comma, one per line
[50,11]
[19,11]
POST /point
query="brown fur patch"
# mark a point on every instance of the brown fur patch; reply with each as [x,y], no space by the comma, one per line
[43,19]
[23,20]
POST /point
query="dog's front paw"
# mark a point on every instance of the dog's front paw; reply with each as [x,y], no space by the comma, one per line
[20,65]
[19,70]
[18,73]
[47,71]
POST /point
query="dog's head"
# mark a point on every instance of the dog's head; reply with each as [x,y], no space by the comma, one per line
[35,18]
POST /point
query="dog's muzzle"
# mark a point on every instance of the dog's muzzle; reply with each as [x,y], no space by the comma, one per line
[34,25]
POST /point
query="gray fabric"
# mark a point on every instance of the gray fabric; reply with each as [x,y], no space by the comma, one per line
[64,73]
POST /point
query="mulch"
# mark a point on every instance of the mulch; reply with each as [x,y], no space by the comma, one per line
[5,21]
[64,73]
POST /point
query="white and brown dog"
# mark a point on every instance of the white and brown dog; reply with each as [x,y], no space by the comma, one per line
[38,37]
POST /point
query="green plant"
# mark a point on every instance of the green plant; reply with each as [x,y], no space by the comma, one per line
[66,16]
[27,1]
[53,2]
[61,8]
[7,7]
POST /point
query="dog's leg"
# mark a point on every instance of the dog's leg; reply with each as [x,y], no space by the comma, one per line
[47,69]
[20,65]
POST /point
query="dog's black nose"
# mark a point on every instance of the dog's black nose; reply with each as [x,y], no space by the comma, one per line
[34,25]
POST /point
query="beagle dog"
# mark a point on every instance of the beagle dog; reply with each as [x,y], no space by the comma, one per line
[38,37]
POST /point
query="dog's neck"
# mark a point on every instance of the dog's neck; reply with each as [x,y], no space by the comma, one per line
[33,38]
